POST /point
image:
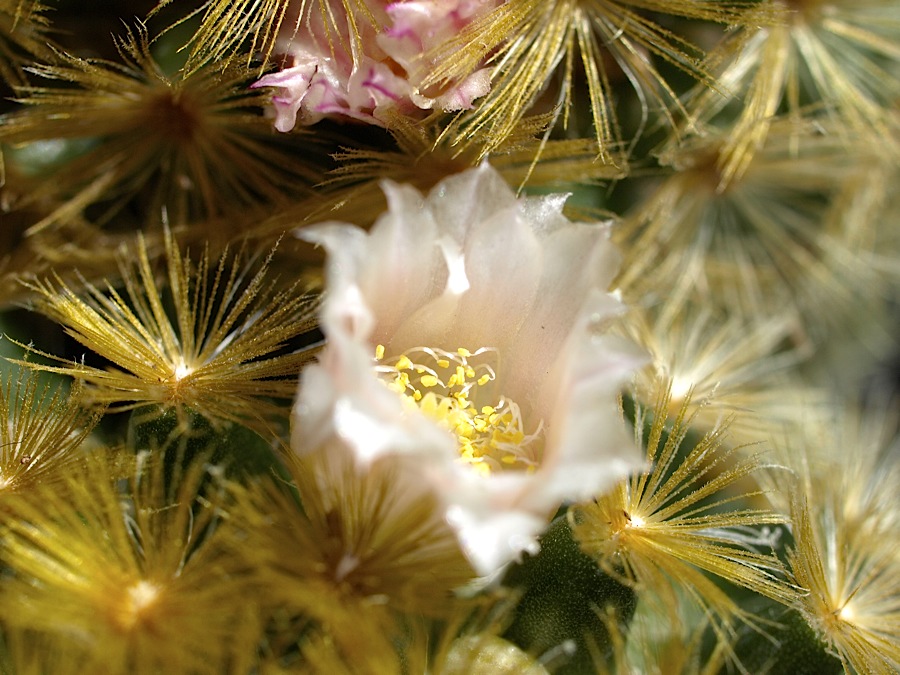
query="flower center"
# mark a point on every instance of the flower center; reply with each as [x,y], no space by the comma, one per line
[454,389]
[136,605]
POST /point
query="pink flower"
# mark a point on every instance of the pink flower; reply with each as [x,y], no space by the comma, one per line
[466,336]
[347,68]
[331,69]
[417,28]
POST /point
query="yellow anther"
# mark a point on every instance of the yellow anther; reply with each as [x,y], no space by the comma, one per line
[464,429]
[489,438]
[429,404]
[499,438]
[482,468]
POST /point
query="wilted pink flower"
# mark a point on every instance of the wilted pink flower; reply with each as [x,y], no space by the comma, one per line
[348,68]
[465,335]
[417,28]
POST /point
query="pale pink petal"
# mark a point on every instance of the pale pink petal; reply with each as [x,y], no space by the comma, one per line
[401,243]
[492,539]
[293,84]
[460,96]
[503,261]
[575,260]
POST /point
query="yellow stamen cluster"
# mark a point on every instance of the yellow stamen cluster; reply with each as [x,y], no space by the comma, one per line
[448,388]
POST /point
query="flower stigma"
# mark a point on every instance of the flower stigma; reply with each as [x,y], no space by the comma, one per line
[452,388]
